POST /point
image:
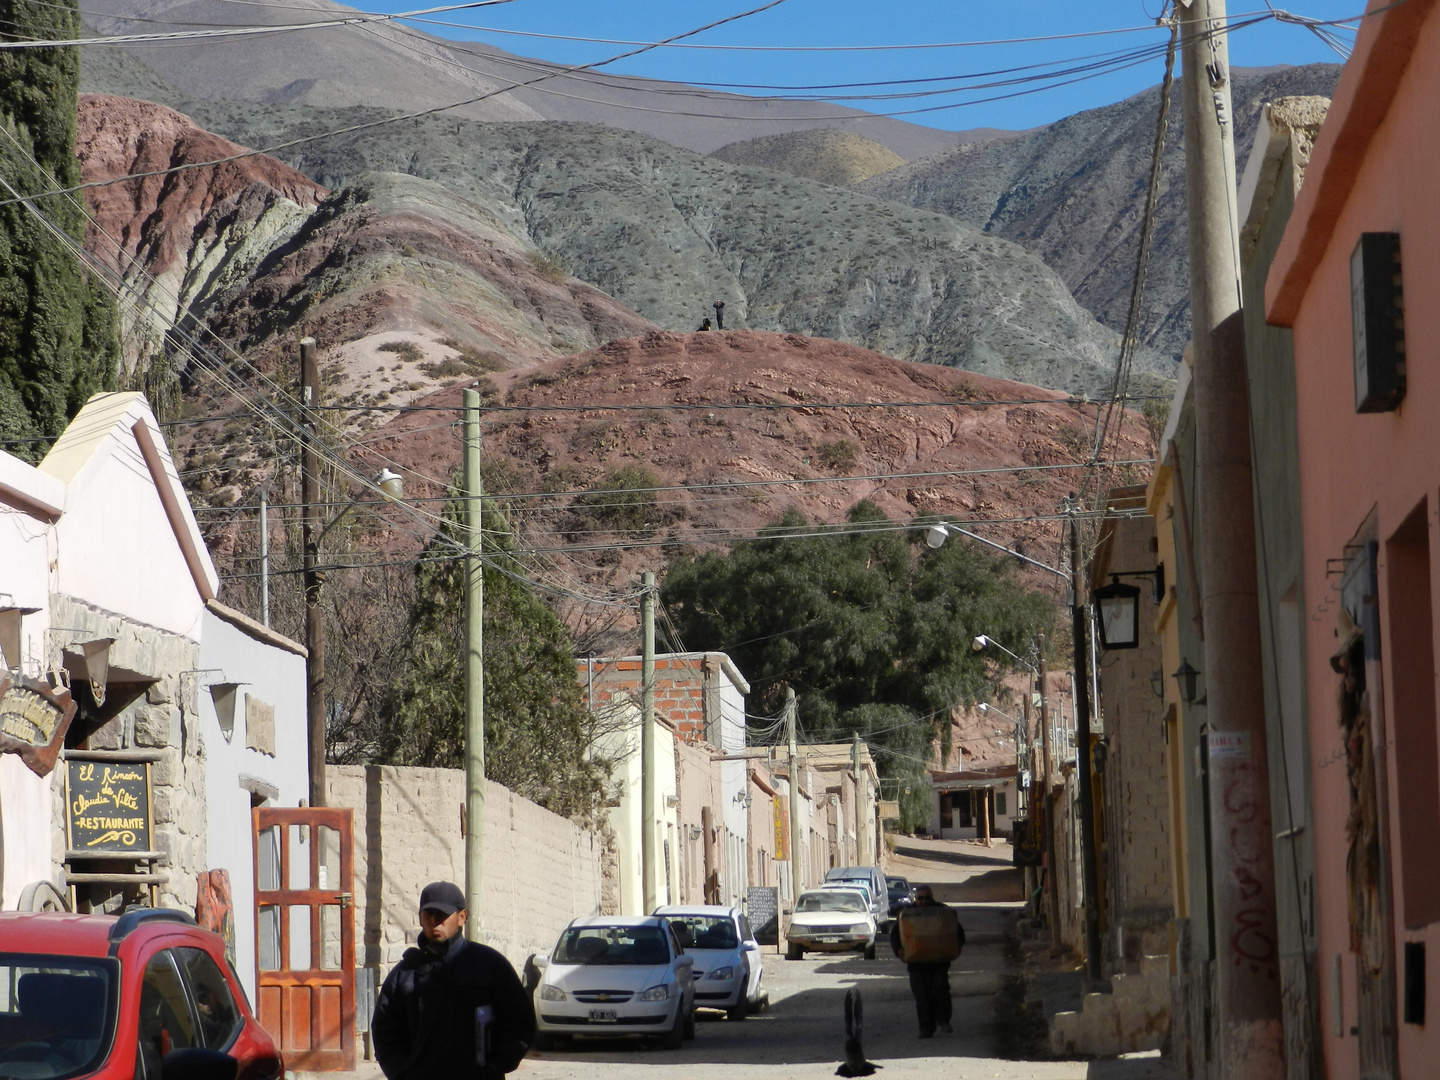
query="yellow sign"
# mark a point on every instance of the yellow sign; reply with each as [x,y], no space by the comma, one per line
[782,830]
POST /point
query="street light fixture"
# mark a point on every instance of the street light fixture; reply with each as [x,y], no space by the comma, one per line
[937,534]
[984,641]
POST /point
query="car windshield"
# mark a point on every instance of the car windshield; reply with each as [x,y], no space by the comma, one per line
[830,901]
[857,886]
[57,1015]
[612,945]
[705,931]
[897,886]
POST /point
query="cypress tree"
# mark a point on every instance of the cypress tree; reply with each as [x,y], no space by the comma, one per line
[58,338]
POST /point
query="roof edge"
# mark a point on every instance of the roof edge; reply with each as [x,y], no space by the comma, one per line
[257,630]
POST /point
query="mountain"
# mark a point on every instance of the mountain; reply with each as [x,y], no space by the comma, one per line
[392,66]
[666,232]
[828,156]
[1073,192]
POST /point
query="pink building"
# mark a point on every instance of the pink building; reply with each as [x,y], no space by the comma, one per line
[1365,230]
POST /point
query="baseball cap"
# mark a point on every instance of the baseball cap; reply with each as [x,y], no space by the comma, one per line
[442,896]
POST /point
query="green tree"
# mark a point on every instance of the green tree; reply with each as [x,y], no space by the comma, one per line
[872,630]
[58,338]
[536,723]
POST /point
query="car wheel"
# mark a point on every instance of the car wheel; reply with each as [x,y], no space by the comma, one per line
[690,1025]
[794,952]
[870,952]
[675,1037]
[739,1010]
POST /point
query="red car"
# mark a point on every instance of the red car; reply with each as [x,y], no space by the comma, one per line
[147,994]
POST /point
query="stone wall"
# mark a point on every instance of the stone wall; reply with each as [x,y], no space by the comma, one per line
[541,870]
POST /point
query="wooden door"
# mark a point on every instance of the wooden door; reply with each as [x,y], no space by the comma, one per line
[305,935]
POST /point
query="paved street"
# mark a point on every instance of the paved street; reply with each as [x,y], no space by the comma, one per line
[802,1033]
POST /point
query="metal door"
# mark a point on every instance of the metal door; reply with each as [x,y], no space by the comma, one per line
[305,935]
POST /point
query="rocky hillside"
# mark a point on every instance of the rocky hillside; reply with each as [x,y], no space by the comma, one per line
[258,253]
[666,232]
[1073,193]
[831,157]
[400,69]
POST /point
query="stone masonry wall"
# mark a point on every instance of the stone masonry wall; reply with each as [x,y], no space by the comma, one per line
[166,719]
[541,870]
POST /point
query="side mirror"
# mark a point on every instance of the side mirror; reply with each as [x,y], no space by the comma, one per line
[194,1063]
[541,960]
[685,960]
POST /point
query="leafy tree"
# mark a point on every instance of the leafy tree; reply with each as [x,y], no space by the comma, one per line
[872,630]
[536,724]
[58,337]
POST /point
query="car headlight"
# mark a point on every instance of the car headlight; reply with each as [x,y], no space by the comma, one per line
[860,928]
[552,993]
[722,973]
[656,993]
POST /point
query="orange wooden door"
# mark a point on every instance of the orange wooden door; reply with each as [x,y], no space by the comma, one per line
[305,934]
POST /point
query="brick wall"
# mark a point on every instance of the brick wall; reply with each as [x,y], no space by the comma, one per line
[541,870]
[679,689]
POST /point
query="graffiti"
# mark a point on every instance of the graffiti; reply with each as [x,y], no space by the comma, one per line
[1252,943]
[1249,884]
[1239,798]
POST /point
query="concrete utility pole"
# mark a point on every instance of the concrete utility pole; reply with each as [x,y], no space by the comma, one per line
[1242,880]
[1052,877]
[310,531]
[796,881]
[855,768]
[474,498]
[647,745]
[264,559]
[1089,867]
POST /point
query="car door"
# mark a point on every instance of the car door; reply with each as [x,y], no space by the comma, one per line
[684,973]
[753,963]
[166,1020]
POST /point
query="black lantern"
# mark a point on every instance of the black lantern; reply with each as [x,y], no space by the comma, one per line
[1157,682]
[1186,677]
[1119,615]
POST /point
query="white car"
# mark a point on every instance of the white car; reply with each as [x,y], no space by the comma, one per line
[831,920]
[728,971]
[615,976]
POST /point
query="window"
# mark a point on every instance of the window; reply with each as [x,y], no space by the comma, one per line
[214,1004]
[165,1020]
[56,1015]
[1002,803]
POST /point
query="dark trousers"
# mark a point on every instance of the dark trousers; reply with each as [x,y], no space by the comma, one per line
[930,983]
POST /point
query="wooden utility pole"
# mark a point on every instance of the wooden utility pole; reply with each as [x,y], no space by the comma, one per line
[855,768]
[474,672]
[1242,875]
[310,550]
[264,558]
[647,747]
[796,878]
[1089,864]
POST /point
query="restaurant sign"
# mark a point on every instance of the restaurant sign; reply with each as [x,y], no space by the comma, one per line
[33,720]
[107,805]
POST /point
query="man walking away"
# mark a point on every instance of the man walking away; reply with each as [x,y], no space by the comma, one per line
[451,1009]
[927,936]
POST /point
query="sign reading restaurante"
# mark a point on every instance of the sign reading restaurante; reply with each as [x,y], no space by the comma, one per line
[107,805]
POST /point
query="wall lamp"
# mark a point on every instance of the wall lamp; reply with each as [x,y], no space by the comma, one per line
[1187,678]
[744,798]
[1119,606]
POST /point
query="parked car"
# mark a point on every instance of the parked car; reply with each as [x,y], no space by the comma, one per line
[139,994]
[900,893]
[616,976]
[874,883]
[728,972]
[831,920]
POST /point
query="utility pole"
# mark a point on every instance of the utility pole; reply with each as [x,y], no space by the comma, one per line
[264,558]
[310,550]
[474,672]
[1089,867]
[1242,876]
[1053,875]
[855,768]
[647,744]
[796,883]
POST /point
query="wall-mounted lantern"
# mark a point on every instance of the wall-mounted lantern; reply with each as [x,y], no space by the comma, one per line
[1119,606]
[1186,677]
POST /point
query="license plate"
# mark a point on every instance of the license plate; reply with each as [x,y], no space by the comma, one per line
[832,938]
[603,1016]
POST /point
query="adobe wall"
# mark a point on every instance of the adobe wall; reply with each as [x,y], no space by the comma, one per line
[541,869]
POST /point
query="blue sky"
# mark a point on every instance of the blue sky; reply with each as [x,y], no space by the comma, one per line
[899,22]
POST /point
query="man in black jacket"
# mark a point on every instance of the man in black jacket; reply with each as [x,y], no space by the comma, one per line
[929,982]
[433,1003]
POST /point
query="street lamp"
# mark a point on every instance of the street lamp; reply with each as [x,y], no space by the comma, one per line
[937,534]
[984,641]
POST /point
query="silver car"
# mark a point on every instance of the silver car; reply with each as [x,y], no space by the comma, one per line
[831,919]
[728,972]
[615,976]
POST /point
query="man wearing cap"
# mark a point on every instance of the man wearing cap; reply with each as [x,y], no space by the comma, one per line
[450,1007]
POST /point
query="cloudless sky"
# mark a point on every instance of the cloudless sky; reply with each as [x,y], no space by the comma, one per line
[897,22]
